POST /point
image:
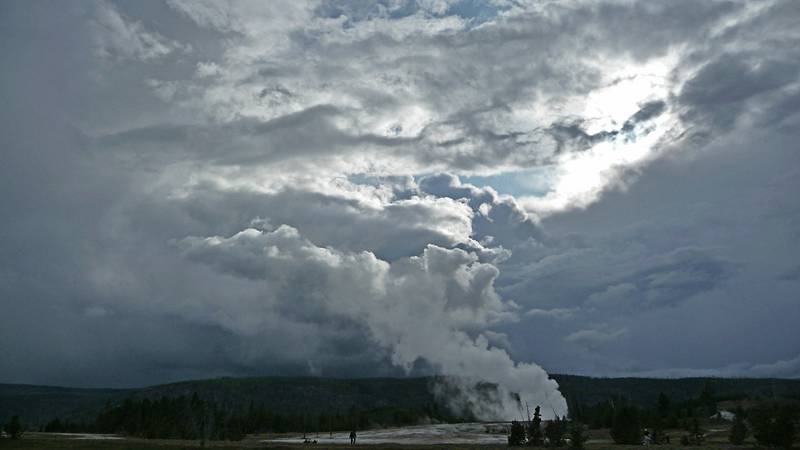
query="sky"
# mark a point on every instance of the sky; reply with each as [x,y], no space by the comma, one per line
[490,189]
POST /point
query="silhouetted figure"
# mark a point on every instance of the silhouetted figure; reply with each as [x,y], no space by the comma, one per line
[353,437]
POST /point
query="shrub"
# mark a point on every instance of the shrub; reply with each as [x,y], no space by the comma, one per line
[554,431]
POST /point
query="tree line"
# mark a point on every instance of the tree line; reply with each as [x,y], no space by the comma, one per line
[195,418]
[192,417]
[771,424]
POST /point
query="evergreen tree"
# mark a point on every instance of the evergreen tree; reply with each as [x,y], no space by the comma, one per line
[784,429]
[773,426]
[707,399]
[14,428]
[516,436]
[663,404]
[535,428]
[576,436]
[739,428]
[627,428]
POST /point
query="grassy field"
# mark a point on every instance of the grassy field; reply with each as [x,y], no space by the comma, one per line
[717,438]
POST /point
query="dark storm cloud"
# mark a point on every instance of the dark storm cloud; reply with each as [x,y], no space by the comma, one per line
[302,134]
[703,299]
[719,92]
[749,68]
[667,280]
[790,275]
[621,282]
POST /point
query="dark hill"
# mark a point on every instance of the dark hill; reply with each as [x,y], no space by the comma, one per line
[38,404]
[298,394]
[644,391]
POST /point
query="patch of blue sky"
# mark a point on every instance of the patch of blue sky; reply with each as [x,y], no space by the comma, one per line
[475,12]
[535,182]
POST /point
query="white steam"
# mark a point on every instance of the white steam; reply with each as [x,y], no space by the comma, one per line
[423,307]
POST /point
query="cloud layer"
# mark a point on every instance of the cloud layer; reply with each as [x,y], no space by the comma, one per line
[479,189]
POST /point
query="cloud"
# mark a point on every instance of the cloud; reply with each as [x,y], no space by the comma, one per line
[118,37]
[730,79]
[790,275]
[414,124]
[497,220]
[592,339]
[787,368]
[666,280]
[397,112]
[512,164]
[720,90]
[555,313]
[346,216]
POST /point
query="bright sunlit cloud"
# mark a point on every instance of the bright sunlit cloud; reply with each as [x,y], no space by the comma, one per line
[579,178]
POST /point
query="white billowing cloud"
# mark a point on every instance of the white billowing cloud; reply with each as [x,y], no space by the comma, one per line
[423,307]
[405,89]
[498,220]
[417,88]
[408,89]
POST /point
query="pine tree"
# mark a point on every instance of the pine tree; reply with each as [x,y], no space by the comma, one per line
[784,429]
[576,436]
[774,427]
[14,428]
[707,399]
[739,429]
[535,428]
[663,404]
[627,428]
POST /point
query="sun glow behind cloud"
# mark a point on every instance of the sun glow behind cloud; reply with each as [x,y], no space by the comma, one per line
[579,178]
[631,86]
